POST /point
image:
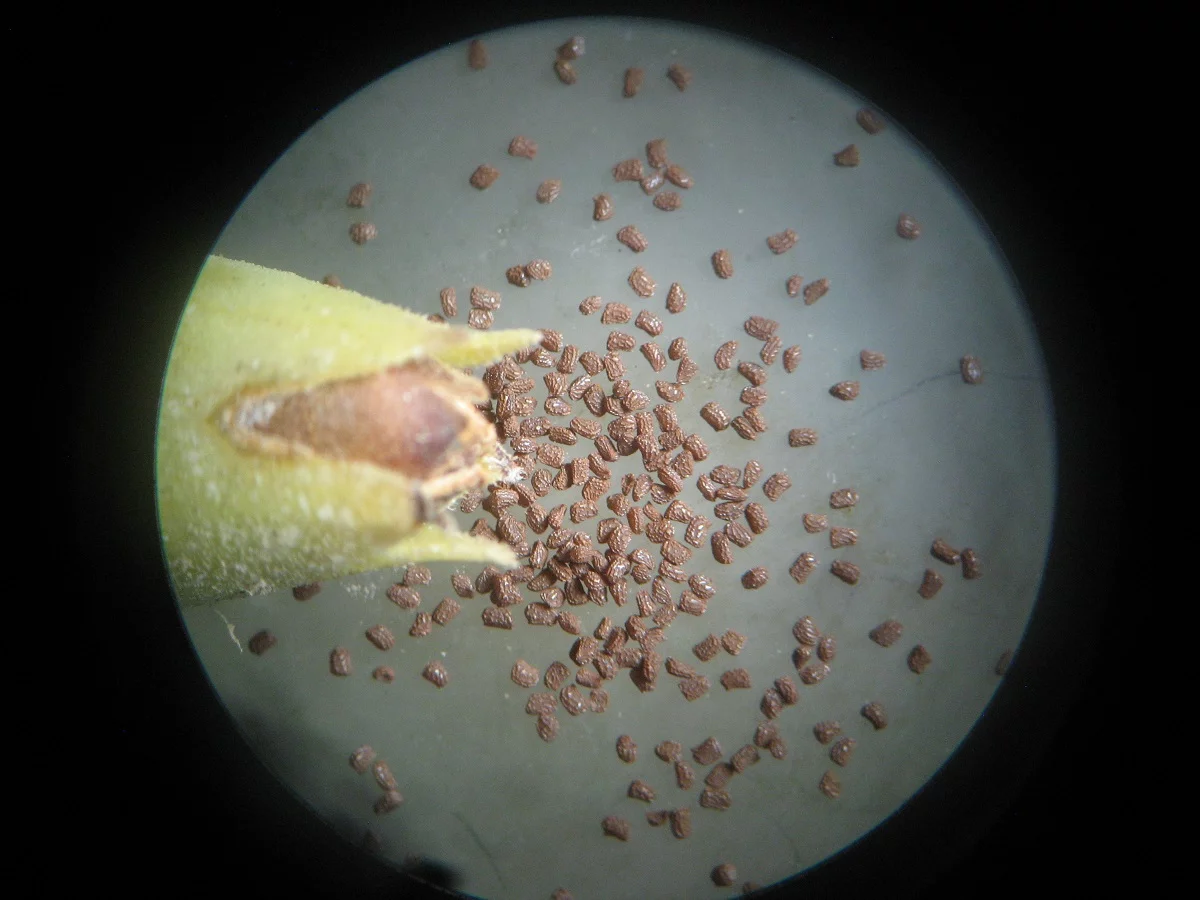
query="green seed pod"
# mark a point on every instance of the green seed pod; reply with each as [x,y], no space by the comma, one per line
[308,432]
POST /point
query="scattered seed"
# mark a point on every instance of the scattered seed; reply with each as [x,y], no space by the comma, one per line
[846,571]
[815,290]
[874,713]
[843,498]
[361,232]
[770,349]
[261,642]
[735,679]
[714,415]
[381,636]
[676,301]
[633,81]
[842,749]
[649,323]
[847,156]
[931,583]
[744,758]
[886,633]
[733,642]
[870,120]
[724,875]
[538,269]
[359,194]
[632,238]
[681,822]
[752,372]
[628,170]
[827,648]
[791,359]
[788,692]
[643,285]
[480,318]
[615,314]
[522,146]
[1002,664]
[919,659]
[435,673]
[680,76]
[722,264]
[693,688]
[845,390]
[943,551]
[602,207]
[803,567]
[760,327]
[332,281]
[712,798]
[772,703]
[719,776]
[707,752]
[517,276]
[814,673]
[721,550]
[484,177]
[830,786]
[907,227]
[970,563]
[572,49]
[776,486]
[565,71]
[871,360]
[639,790]
[339,661]
[782,242]
[755,578]
[794,283]
[971,369]
[615,826]
[668,201]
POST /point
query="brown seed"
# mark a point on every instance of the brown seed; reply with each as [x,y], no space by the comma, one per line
[538,269]
[871,360]
[654,355]
[725,354]
[815,290]
[719,776]
[381,636]
[626,749]
[772,703]
[669,751]
[639,790]
[791,359]
[970,563]
[760,327]
[830,786]
[874,713]
[722,264]
[697,530]
[845,390]
[628,170]
[615,314]
[524,675]
[693,688]
[776,486]
[643,285]
[707,648]
[907,227]
[339,661]
[615,826]
[827,648]
[930,584]
[668,201]
[477,56]
[480,318]
[714,415]
[782,242]
[361,232]
[788,693]
[359,194]
[680,76]
[805,631]
[633,239]
[843,498]
[842,537]
[517,276]
[919,659]
[752,372]
[971,369]
[826,731]
[744,758]
[814,523]
[770,349]
[842,750]
[572,700]
[734,679]
[435,673]
[657,817]
[681,819]
[794,283]
[602,207]
[755,578]
[484,177]
[547,726]
[676,302]
[261,642]
[332,281]
[733,642]
[886,633]
[649,323]
[870,120]
[722,551]
[1002,664]
[814,673]
[803,567]
[565,71]
[573,48]
[847,156]
[846,571]
[633,81]
[707,752]
[712,798]
[522,146]
[724,875]
[943,551]
[449,303]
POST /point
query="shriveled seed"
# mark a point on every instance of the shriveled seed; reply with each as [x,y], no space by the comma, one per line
[970,563]
[874,713]
[908,227]
[615,826]
[681,77]
[971,369]
[633,81]
[947,554]
[484,177]
[848,156]
[815,290]
[830,786]
[845,390]
[734,679]
[886,633]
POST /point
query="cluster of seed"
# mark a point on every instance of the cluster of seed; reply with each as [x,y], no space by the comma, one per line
[564,58]
[652,177]
[364,760]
